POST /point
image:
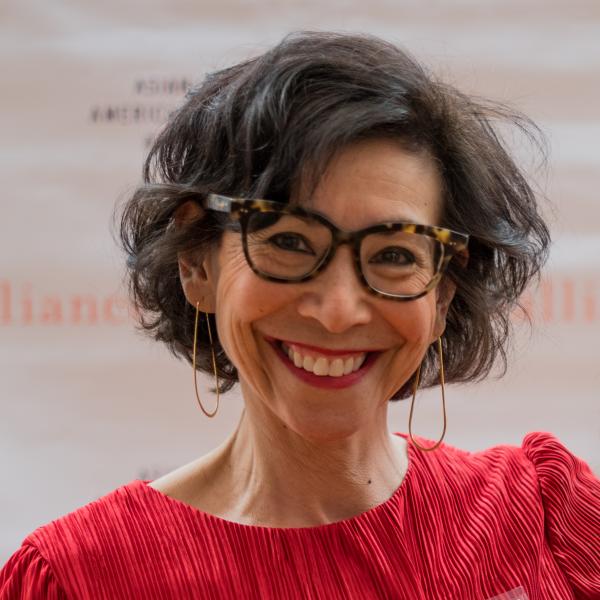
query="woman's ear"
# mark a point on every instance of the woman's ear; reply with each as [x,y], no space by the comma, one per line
[444,294]
[196,273]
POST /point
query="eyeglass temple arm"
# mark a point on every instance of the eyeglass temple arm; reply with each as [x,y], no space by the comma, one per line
[218,203]
[461,253]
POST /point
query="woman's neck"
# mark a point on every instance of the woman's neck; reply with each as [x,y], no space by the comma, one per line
[266,474]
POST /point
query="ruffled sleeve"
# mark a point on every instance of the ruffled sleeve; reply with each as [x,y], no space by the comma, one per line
[571,499]
[27,576]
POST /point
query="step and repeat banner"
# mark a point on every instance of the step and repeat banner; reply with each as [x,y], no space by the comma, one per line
[87,403]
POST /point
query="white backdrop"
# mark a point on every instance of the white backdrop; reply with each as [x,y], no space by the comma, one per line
[86,403]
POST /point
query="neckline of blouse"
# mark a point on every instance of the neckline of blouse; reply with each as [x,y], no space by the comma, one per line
[356,519]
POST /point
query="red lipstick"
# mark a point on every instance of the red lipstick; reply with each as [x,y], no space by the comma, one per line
[325,381]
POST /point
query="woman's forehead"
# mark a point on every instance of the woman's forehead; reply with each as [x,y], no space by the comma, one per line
[377,180]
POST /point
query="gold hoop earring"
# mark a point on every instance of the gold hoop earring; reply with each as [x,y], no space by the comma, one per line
[412,404]
[214,362]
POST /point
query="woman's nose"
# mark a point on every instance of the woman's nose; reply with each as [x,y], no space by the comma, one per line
[336,297]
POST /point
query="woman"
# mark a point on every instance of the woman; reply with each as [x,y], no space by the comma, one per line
[332,228]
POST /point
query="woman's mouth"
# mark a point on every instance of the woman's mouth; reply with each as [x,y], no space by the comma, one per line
[320,370]
[324,365]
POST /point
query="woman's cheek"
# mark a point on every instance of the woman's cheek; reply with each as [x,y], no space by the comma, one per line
[414,321]
[242,299]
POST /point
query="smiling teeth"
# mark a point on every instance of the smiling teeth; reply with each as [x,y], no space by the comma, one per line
[323,366]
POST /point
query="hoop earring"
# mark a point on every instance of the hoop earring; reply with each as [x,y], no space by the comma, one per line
[214,362]
[412,404]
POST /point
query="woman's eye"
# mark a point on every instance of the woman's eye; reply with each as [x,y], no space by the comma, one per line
[395,256]
[290,241]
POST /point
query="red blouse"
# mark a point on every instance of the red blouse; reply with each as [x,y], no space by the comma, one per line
[508,522]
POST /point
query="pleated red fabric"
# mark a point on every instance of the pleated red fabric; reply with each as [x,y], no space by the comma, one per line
[508,522]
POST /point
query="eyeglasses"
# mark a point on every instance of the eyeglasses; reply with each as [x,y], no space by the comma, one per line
[288,244]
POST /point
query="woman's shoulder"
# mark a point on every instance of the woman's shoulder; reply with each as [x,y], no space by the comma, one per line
[570,494]
[27,574]
[128,516]
[115,509]
[538,496]
[54,553]
[541,473]
[536,450]
[102,542]
[541,467]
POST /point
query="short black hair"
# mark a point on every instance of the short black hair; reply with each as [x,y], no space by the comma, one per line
[255,128]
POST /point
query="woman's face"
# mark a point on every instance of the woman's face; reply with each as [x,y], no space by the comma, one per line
[367,183]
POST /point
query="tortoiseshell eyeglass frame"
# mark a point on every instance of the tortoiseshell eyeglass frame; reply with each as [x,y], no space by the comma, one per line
[241,209]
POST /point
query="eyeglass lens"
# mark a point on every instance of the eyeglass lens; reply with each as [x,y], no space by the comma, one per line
[289,247]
